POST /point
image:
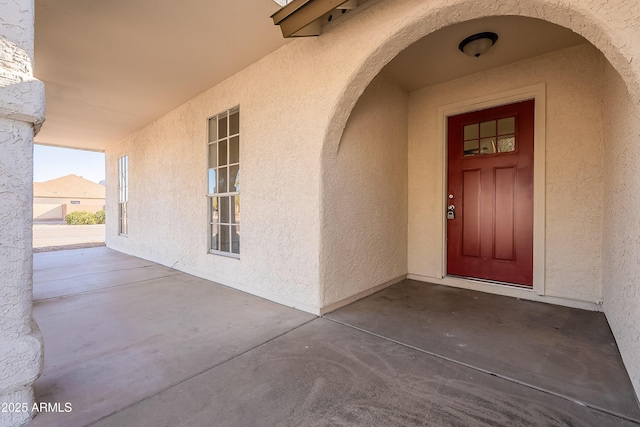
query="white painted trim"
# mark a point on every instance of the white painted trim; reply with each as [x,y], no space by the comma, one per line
[538,93]
[510,291]
[360,295]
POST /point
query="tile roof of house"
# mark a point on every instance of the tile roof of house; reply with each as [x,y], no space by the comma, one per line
[71,186]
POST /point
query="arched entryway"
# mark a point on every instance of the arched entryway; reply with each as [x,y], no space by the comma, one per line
[379,193]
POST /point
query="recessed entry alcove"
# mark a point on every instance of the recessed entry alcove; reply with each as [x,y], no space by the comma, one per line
[394,157]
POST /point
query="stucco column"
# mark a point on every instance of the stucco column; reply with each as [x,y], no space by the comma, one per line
[21,113]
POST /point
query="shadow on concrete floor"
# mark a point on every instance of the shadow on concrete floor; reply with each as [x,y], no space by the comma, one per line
[131,343]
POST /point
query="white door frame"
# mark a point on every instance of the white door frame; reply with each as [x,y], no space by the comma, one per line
[538,93]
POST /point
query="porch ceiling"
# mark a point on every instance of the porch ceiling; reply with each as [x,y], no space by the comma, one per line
[112,67]
[436,59]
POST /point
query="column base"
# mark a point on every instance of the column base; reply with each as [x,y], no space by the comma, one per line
[21,361]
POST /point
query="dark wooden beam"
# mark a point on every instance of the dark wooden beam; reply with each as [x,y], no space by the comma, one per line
[301,13]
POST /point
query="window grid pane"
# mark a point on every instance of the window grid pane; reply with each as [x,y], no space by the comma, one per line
[490,137]
[223,177]
[123,194]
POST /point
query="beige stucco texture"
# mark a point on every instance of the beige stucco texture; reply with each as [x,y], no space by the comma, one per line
[365,197]
[279,155]
[621,219]
[21,111]
[573,78]
[342,175]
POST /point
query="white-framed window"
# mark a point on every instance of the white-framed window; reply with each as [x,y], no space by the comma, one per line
[123,198]
[224,182]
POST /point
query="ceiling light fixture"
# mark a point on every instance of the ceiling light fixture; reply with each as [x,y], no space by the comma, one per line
[478,44]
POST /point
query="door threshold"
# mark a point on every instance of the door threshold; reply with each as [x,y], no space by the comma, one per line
[509,290]
[491,282]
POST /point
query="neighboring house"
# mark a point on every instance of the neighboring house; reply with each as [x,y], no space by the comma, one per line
[56,198]
[354,145]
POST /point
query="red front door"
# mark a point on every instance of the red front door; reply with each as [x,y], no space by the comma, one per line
[490,194]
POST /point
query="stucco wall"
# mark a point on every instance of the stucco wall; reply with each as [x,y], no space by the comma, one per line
[21,110]
[295,104]
[573,79]
[621,226]
[53,211]
[365,196]
[280,167]
[43,211]
[66,200]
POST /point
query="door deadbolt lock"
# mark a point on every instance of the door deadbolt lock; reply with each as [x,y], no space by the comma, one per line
[451,212]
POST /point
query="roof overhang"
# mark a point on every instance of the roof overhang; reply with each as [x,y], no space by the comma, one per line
[303,18]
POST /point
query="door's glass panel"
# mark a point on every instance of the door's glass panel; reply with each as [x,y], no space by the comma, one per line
[487,129]
[487,146]
[471,132]
[222,180]
[471,148]
[234,178]
[234,122]
[507,125]
[234,149]
[213,155]
[506,144]
[224,239]
[222,126]
[224,210]
[235,239]
[222,153]
[213,129]
[212,181]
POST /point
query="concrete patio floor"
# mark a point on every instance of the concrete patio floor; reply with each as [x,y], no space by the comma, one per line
[131,343]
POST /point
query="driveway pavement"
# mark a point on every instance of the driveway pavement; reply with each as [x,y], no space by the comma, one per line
[48,234]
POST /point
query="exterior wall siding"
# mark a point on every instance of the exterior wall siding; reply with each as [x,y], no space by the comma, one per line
[62,201]
[21,113]
[621,224]
[573,79]
[295,105]
[280,164]
[365,197]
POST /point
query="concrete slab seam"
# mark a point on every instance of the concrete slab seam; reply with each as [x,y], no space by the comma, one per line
[101,289]
[229,359]
[485,371]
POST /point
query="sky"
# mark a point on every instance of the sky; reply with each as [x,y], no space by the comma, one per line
[54,162]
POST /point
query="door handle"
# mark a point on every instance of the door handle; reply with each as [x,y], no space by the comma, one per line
[451,212]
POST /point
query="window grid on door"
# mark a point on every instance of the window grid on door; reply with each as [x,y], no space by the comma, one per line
[489,137]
